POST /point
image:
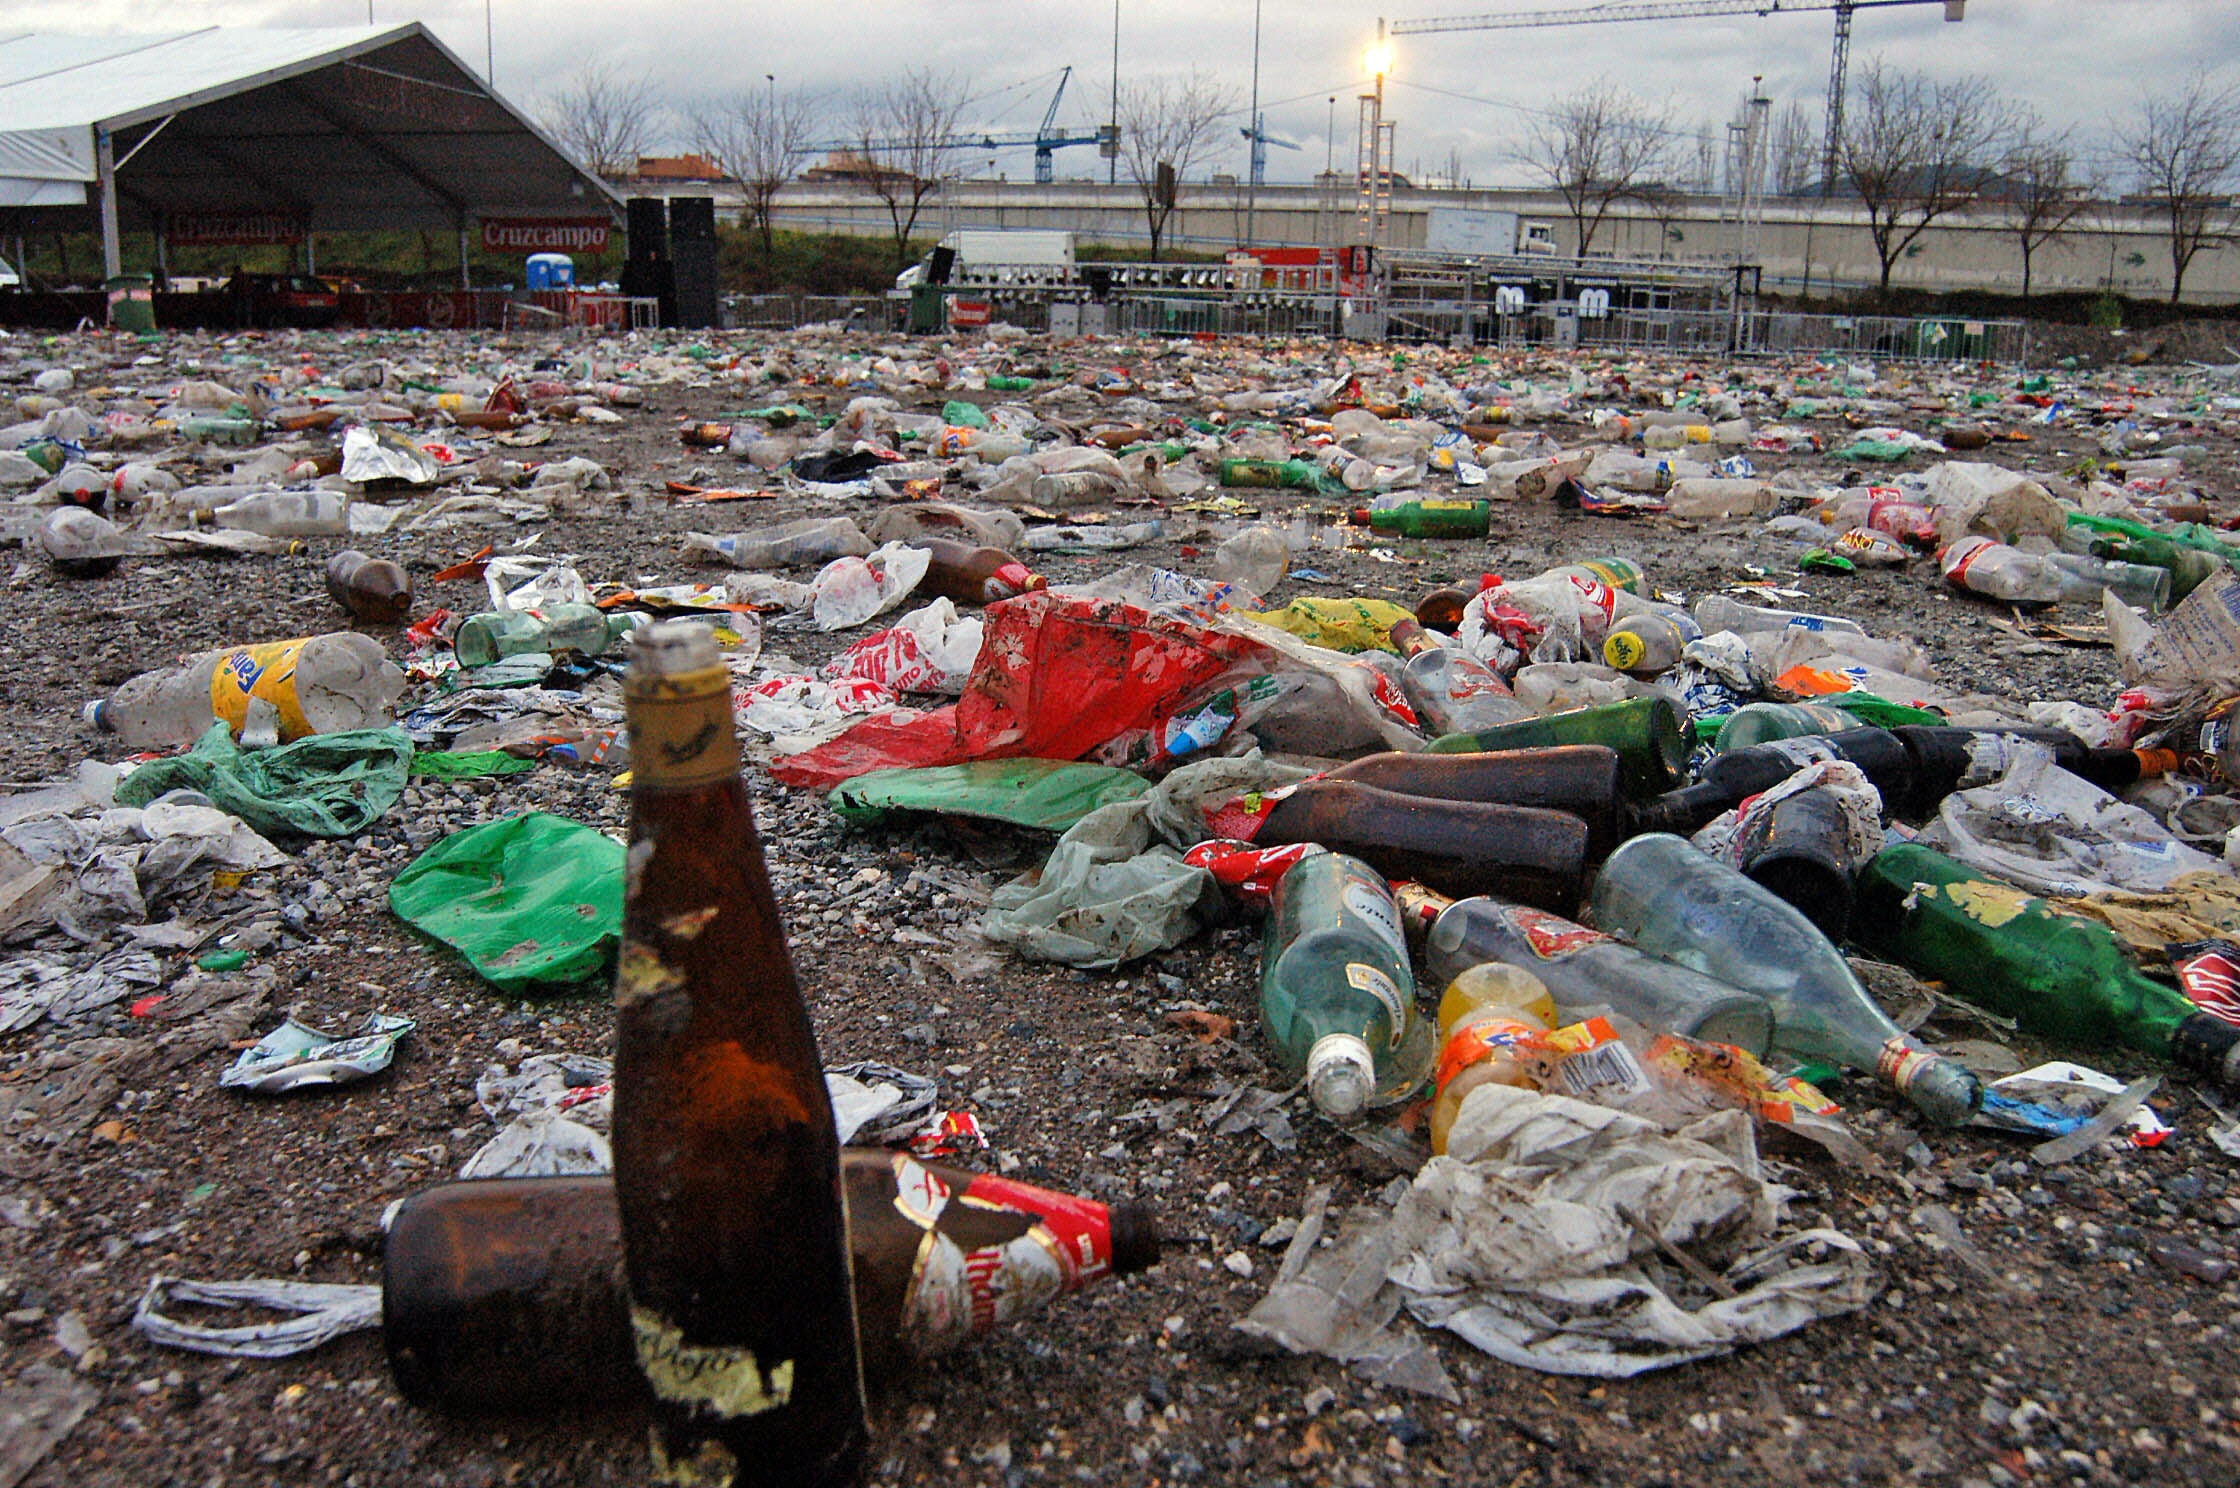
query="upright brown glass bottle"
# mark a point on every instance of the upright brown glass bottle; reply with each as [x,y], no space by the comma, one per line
[727,1168]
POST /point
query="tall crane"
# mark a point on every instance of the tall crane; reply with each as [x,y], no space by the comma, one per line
[1261,139]
[1044,141]
[1674,10]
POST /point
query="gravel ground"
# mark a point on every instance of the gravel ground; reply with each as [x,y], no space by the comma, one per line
[2082,1341]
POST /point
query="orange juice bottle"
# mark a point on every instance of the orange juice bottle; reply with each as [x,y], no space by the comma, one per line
[1485,1013]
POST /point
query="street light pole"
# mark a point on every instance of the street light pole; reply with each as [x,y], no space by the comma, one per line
[1255,148]
[489,48]
[1112,166]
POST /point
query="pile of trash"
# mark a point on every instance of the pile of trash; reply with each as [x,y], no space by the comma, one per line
[1571,886]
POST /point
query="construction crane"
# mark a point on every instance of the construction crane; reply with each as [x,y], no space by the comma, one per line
[1044,141]
[1050,137]
[1261,139]
[1674,10]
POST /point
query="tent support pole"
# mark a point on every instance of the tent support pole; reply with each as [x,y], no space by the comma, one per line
[112,249]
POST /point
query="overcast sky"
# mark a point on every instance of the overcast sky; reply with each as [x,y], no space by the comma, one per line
[1469,94]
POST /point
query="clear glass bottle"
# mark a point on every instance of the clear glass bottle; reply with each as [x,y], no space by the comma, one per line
[1337,996]
[482,639]
[1673,901]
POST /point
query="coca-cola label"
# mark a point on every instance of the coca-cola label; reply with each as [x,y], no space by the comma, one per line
[2209,971]
[1551,937]
[955,1292]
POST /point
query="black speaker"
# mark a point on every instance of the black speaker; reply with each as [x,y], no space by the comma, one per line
[693,261]
[944,260]
[647,218]
[1099,279]
[645,278]
[691,219]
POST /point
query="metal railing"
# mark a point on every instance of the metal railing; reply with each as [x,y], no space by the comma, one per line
[1895,338]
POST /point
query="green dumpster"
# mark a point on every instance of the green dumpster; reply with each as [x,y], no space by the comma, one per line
[929,309]
[132,303]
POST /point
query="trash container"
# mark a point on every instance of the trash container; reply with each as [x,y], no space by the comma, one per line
[929,309]
[132,302]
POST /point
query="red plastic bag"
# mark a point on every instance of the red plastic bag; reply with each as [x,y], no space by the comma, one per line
[1057,676]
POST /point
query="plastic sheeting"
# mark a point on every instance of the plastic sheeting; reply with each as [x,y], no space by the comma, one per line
[533,902]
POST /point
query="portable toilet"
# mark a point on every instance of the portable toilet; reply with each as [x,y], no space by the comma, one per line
[551,271]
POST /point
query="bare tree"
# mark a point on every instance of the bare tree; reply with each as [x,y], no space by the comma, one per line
[1914,149]
[1167,127]
[2184,148]
[2044,188]
[1704,176]
[1794,152]
[602,119]
[1597,148]
[756,138]
[905,133]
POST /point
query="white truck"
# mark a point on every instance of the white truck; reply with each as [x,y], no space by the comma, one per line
[983,247]
[1485,232]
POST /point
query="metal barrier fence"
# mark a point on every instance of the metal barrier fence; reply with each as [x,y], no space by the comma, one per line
[1689,332]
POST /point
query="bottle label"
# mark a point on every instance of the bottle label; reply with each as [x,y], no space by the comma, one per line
[1374,982]
[2209,973]
[1991,756]
[267,672]
[681,733]
[724,1380]
[1446,506]
[1551,937]
[1374,905]
[1901,1062]
[955,1292]
[1956,569]
[1476,1041]
[1590,1056]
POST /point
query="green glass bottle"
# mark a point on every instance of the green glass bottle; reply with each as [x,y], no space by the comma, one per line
[1428,518]
[1756,723]
[1009,384]
[1652,751]
[482,639]
[2187,567]
[2060,976]
[1297,475]
[2185,535]
[1337,996]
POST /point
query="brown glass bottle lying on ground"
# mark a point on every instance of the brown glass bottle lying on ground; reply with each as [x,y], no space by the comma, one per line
[1460,848]
[727,1167]
[966,575]
[504,1296]
[374,590]
[1582,779]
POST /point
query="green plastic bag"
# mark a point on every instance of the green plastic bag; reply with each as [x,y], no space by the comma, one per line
[1872,449]
[958,414]
[468,764]
[533,902]
[329,785]
[1048,795]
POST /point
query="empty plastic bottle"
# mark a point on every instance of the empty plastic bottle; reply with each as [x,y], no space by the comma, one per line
[375,590]
[1070,539]
[1451,690]
[318,685]
[82,543]
[1716,612]
[1337,997]
[1675,902]
[1649,643]
[298,513]
[2142,586]
[1485,1015]
[1996,571]
[494,635]
[786,545]
[1585,970]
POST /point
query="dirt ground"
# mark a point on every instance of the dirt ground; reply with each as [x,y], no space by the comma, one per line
[2079,1344]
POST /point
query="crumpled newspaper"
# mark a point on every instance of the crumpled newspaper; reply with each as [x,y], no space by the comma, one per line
[297,1056]
[1568,1237]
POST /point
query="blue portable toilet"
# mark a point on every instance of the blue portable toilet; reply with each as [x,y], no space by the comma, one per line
[551,271]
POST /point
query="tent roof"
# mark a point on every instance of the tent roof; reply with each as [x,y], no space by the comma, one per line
[345,127]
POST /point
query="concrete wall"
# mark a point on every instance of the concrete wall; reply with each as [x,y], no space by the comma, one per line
[1806,243]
